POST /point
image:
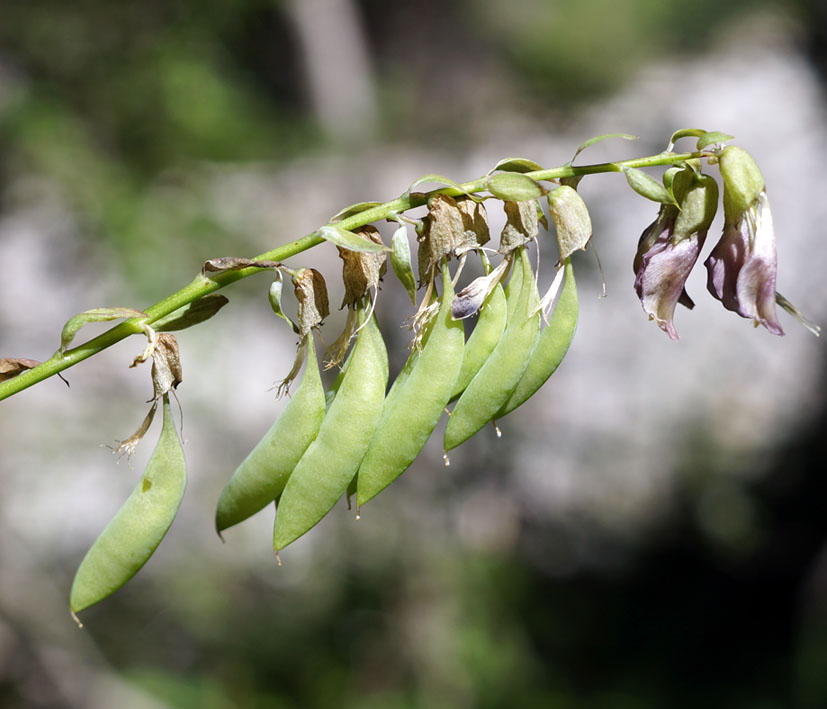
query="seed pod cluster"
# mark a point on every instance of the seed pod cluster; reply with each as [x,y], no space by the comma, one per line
[357,439]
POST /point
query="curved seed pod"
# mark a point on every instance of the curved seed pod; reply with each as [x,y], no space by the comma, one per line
[413,410]
[139,526]
[512,290]
[330,462]
[551,347]
[498,377]
[484,338]
[262,475]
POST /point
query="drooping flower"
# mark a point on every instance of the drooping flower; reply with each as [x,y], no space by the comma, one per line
[669,247]
[742,267]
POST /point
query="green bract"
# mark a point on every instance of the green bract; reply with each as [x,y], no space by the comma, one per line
[514,187]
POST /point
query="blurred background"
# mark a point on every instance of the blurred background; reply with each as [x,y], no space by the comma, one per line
[650,530]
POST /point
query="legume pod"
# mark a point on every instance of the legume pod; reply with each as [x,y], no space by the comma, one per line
[139,525]
[262,475]
[413,409]
[498,377]
[551,347]
[330,462]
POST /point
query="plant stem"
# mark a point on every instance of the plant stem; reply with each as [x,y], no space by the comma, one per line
[202,285]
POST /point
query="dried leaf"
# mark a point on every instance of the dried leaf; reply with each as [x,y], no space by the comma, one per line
[522,225]
[76,322]
[362,271]
[166,365]
[192,314]
[10,367]
[571,220]
[475,226]
[235,263]
[127,446]
[311,294]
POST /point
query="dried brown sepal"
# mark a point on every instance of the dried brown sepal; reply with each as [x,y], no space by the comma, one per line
[339,348]
[475,226]
[362,271]
[128,445]
[151,344]
[522,225]
[423,253]
[443,232]
[301,352]
[166,365]
[234,263]
[193,314]
[10,367]
[311,293]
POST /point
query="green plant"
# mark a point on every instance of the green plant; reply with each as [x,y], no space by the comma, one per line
[359,439]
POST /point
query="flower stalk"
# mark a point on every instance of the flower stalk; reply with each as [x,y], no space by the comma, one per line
[202,285]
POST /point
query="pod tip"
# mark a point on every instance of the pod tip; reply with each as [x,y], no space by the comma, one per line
[76,619]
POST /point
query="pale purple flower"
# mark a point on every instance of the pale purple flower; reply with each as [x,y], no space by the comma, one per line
[742,266]
[663,262]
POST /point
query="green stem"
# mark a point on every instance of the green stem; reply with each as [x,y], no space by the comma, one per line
[202,285]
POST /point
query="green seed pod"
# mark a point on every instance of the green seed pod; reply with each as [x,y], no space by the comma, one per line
[139,526]
[551,347]
[332,459]
[262,475]
[514,187]
[401,261]
[412,411]
[571,220]
[498,377]
[484,338]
